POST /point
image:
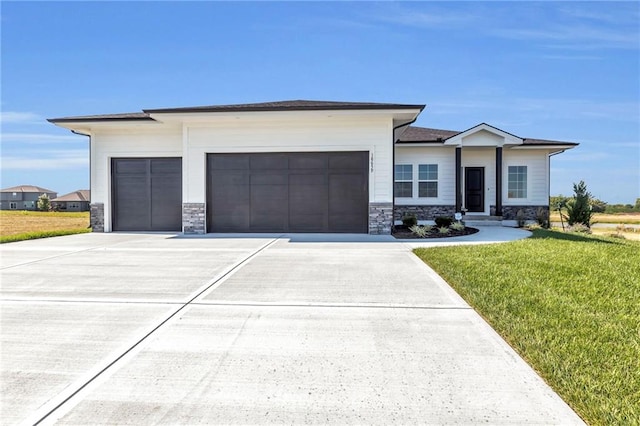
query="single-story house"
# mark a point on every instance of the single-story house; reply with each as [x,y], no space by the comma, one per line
[76,201]
[23,197]
[303,166]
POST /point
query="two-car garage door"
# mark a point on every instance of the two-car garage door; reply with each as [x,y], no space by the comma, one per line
[256,192]
[288,192]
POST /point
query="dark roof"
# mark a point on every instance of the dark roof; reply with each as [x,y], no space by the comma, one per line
[126,116]
[28,188]
[297,105]
[425,135]
[79,195]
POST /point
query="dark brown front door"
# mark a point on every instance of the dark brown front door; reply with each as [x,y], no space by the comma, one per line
[288,192]
[474,189]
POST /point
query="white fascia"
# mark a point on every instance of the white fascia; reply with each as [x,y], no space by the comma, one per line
[507,138]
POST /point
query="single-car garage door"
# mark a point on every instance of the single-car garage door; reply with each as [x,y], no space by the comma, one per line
[288,192]
[147,194]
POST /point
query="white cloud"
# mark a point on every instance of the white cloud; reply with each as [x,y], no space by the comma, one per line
[19,117]
[48,160]
[37,138]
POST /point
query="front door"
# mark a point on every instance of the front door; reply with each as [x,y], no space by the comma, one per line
[474,189]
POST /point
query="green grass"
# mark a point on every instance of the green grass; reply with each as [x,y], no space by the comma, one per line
[568,304]
[41,234]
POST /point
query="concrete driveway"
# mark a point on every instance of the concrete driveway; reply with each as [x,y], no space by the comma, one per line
[165,329]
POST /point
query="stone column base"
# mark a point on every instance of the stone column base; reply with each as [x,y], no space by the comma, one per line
[96,220]
[193,218]
[380,218]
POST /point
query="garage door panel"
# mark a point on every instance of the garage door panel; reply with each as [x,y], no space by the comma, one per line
[348,161]
[269,161]
[234,221]
[345,193]
[229,162]
[147,194]
[130,166]
[164,167]
[269,179]
[290,192]
[308,161]
[307,223]
[268,208]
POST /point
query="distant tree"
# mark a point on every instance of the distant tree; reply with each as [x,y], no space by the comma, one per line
[579,207]
[637,206]
[44,204]
[598,206]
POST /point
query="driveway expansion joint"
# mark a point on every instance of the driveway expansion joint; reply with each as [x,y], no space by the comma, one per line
[71,393]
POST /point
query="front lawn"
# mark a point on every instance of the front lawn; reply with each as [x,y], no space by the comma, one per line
[569,304]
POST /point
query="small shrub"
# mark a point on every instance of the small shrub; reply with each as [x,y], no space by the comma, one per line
[409,220]
[542,217]
[418,231]
[579,228]
[457,226]
[445,221]
[620,236]
[520,218]
[444,229]
[579,207]
[427,228]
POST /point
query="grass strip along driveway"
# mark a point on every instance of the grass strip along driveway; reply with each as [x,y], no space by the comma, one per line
[27,225]
[569,304]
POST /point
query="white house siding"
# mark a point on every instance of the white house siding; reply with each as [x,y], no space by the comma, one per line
[310,134]
[445,158]
[537,176]
[105,145]
[482,138]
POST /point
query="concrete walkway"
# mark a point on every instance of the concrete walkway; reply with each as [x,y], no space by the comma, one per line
[296,329]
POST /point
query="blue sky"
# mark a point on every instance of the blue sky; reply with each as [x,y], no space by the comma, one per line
[551,70]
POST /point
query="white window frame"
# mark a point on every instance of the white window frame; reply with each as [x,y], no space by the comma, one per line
[517,189]
[404,178]
[13,205]
[427,179]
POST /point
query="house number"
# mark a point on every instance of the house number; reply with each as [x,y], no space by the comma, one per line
[371,161]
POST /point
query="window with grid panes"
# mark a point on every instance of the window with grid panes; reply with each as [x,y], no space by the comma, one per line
[404,180]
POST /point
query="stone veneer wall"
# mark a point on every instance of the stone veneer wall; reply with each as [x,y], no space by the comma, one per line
[193,218]
[380,218]
[530,212]
[96,217]
[424,212]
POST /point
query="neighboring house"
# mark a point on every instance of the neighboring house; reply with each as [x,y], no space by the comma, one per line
[302,166]
[23,197]
[76,201]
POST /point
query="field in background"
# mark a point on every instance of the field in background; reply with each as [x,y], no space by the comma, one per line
[624,218]
[24,225]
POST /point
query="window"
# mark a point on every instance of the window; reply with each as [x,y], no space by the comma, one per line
[428,180]
[517,182]
[404,180]
[13,206]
